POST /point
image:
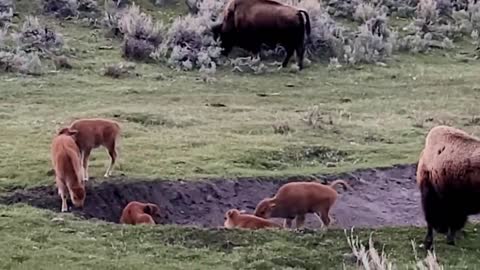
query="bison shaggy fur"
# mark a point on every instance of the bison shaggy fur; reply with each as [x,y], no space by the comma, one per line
[249,24]
[448,175]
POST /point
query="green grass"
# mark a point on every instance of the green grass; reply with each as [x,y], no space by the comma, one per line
[371,116]
[375,116]
[45,243]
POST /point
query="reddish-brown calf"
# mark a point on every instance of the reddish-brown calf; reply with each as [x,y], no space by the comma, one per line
[93,133]
[296,199]
[65,158]
[238,219]
[139,213]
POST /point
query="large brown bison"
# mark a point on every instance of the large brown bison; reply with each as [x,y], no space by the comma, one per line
[448,174]
[250,23]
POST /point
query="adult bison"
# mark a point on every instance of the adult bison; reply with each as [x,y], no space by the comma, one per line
[250,23]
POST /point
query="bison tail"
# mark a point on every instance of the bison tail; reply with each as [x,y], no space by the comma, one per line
[308,28]
[340,182]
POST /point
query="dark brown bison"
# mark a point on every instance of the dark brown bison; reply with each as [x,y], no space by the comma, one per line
[250,23]
[448,174]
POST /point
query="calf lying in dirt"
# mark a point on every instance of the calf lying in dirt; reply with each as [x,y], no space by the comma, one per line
[296,199]
[65,158]
[139,213]
[93,133]
[239,219]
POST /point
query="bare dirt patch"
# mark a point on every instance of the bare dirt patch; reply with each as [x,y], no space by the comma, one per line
[381,197]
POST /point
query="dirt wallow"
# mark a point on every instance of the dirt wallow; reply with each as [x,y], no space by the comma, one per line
[380,197]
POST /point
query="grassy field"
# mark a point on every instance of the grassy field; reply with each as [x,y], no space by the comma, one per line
[365,117]
[47,241]
[373,116]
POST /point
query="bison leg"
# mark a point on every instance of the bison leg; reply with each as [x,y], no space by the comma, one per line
[62,192]
[112,151]
[287,58]
[451,237]
[428,238]
[85,157]
[300,51]
[299,221]
[287,223]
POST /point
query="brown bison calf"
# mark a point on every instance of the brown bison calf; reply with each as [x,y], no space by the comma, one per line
[93,133]
[249,24]
[238,219]
[65,158]
[296,199]
[139,213]
[448,175]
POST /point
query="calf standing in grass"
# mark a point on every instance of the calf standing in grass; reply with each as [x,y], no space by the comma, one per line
[296,199]
[93,133]
[448,174]
[139,213]
[65,157]
[237,219]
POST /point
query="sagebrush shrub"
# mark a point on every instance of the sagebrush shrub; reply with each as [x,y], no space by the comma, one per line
[474,15]
[121,3]
[112,15]
[413,43]
[327,36]
[141,34]
[403,9]
[433,27]
[364,11]
[27,63]
[3,37]
[137,24]
[5,61]
[212,9]
[189,44]
[6,12]
[192,6]
[61,8]
[35,37]
[444,7]
[427,12]
[22,62]
[373,42]
[342,9]
[87,6]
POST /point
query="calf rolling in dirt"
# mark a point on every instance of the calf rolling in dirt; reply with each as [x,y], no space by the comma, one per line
[65,157]
[296,199]
[93,133]
[238,219]
[139,213]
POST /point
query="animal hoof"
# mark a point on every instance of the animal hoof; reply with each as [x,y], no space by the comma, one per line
[106,175]
[64,210]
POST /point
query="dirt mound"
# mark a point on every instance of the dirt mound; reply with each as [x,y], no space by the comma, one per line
[381,197]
